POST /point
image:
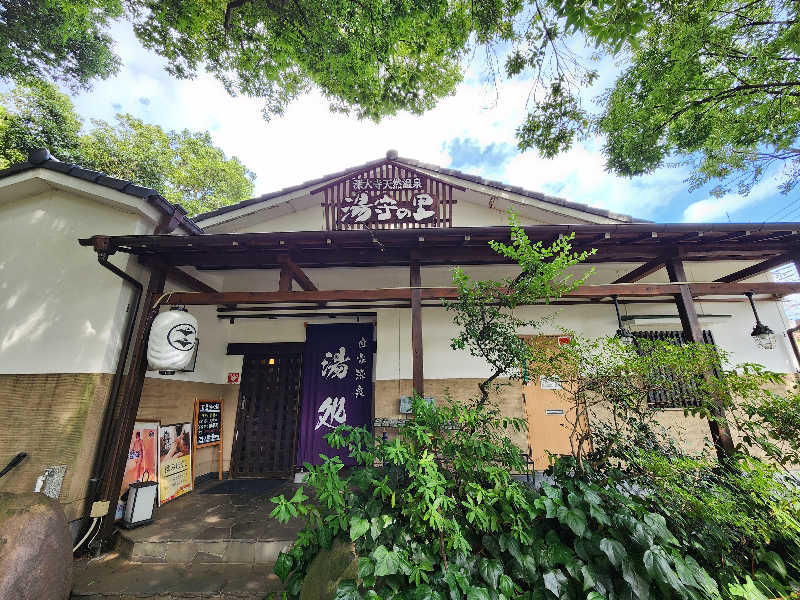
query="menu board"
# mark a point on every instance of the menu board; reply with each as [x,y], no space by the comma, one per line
[208,423]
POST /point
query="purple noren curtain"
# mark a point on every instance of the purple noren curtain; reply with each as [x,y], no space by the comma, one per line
[337,386]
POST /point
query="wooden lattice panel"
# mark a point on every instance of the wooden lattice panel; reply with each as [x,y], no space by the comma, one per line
[388,195]
[265,440]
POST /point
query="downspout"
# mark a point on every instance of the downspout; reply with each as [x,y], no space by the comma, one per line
[111,406]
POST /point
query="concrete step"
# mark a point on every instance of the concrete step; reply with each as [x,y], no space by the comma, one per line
[236,551]
[112,577]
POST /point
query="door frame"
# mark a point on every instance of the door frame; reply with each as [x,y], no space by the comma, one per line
[265,350]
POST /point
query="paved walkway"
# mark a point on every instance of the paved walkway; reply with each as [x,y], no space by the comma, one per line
[199,546]
[112,577]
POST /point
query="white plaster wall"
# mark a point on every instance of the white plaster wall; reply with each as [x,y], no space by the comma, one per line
[61,312]
[309,219]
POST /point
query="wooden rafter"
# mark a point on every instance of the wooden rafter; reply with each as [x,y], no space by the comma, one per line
[642,271]
[290,267]
[753,270]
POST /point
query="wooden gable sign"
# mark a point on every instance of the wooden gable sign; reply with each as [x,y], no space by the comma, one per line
[387,195]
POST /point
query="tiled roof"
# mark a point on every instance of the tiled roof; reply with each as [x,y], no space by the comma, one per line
[429,167]
[41,159]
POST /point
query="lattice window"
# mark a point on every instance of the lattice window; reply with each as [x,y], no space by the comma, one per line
[682,393]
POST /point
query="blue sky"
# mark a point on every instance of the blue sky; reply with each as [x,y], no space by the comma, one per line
[472,131]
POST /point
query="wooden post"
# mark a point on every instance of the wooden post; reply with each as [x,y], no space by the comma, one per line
[416,329]
[123,422]
[720,433]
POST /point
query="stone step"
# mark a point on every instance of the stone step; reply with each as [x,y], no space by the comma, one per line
[238,551]
[112,577]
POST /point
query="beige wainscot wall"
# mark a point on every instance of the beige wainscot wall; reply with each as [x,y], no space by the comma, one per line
[56,419]
[172,402]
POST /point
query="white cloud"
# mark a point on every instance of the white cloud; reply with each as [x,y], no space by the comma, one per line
[310,141]
[715,209]
[580,175]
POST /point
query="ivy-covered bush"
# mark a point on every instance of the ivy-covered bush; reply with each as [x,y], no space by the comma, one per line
[436,513]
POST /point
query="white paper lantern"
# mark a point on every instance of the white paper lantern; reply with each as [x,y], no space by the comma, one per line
[173,339]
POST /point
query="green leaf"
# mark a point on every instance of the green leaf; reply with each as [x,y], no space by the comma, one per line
[295,584]
[425,592]
[455,586]
[658,567]
[639,585]
[614,551]
[529,566]
[704,581]
[595,596]
[283,566]
[387,562]
[365,567]
[774,562]
[490,570]
[358,527]
[478,593]
[506,585]
[658,525]
[347,590]
[574,518]
[599,515]
[554,581]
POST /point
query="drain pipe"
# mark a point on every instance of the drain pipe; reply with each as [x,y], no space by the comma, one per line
[102,258]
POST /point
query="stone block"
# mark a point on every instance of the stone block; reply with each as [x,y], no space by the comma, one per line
[35,548]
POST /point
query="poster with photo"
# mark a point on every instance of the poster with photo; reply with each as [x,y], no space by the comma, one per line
[175,461]
[142,463]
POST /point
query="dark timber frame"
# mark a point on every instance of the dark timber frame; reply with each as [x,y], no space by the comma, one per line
[653,246]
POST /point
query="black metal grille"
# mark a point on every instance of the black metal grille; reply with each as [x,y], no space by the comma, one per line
[681,392]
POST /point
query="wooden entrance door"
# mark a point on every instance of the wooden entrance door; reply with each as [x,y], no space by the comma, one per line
[265,438]
[550,414]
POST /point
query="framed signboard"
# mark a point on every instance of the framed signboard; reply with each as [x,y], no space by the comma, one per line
[142,463]
[208,426]
[175,461]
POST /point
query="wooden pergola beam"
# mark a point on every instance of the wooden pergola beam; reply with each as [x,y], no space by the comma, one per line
[418,376]
[766,265]
[642,271]
[288,265]
[633,290]
[178,275]
[720,433]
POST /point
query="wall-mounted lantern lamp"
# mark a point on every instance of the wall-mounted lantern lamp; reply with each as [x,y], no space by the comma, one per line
[762,335]
[625,336]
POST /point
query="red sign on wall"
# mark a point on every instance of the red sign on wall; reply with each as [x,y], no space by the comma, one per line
[233,377]
[564,340]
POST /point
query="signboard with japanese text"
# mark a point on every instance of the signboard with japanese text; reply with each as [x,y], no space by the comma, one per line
[208,423]
[388,196]
[142,463]
[175,461]
[791,303]
[337,386]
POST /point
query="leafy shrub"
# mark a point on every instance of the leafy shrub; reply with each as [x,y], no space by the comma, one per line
[436,514]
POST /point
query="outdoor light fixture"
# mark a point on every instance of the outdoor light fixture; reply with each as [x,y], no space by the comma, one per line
[625,336]
[142,497]
[762,335]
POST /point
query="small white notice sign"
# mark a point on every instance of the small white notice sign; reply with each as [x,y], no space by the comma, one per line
[549,383]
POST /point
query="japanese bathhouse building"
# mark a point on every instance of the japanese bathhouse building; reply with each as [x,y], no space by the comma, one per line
[320,304]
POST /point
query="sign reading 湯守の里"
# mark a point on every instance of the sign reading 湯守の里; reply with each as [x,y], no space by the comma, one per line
[388,195]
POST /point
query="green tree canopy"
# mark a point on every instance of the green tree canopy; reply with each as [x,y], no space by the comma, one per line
[715,84]
[184,166]
[61,40]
